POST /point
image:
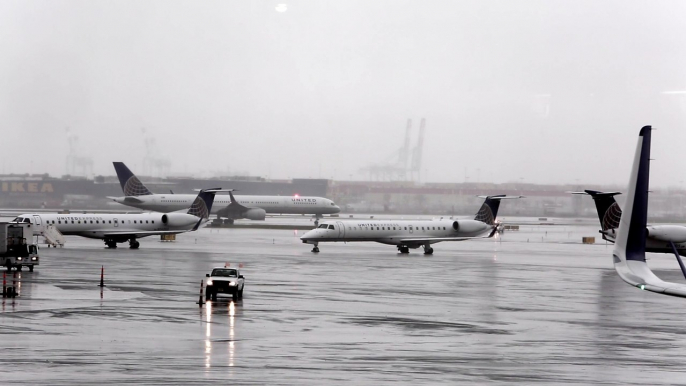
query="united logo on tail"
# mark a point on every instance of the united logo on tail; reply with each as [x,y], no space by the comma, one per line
[199,209]
[134,187]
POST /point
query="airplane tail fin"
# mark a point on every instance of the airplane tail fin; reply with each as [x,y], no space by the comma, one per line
[631,235]
[489,209]
[202,206]
[130,184]
[608,210]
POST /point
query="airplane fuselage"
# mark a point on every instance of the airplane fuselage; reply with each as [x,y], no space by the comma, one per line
[396,232]
[271,204]
[98,226]
[653,245]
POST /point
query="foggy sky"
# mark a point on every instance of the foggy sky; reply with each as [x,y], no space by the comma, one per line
[533,91]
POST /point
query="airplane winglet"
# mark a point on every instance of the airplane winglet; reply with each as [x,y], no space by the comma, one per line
[629,252]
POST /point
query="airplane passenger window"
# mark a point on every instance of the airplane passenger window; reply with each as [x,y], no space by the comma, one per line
[422,228]
[443,228]
[59,221]
[72,221]
[405,228]
[110,221]
[383,228]
[153,221]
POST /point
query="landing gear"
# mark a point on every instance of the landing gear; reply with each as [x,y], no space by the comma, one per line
[111,244]
[403,249]
[133,244]
[316,248]
[428,250]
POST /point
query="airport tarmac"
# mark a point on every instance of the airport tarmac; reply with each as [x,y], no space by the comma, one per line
[535,306]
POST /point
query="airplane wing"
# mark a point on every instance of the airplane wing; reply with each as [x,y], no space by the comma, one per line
[234,205]
[437,239]
[143,233]
[130,199]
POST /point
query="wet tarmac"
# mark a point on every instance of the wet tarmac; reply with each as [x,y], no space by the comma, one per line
[534,307]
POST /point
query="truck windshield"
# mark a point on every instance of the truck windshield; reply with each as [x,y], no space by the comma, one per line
[224,272]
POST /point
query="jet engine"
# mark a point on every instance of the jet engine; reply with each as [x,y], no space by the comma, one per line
[255,214]
[469,226]
[178,219]
[673,233]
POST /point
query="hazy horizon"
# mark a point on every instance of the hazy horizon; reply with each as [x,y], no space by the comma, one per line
[529,91]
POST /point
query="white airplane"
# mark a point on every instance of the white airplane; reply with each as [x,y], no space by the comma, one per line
[629,254]
[406,234]
[119,228]
[232,207]
[658,237]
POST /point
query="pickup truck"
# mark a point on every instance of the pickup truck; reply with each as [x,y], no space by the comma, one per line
[225,281]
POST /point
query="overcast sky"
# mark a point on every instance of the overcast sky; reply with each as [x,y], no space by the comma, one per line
[533,91]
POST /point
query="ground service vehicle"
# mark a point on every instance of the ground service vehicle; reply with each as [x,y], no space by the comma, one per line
[226,281]
[15,252]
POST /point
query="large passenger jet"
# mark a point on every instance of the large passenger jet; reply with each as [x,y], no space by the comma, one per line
[406,234]
[629,254]
[658,237]
[119,228]
[232,207]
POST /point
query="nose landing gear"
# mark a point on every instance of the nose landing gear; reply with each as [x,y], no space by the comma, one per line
[316,248]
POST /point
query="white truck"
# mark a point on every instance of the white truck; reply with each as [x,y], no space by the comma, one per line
[224,280]
[15,251]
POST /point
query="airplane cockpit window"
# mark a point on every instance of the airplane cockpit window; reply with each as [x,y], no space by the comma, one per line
[27,220]
[18,219]
[331,227]
[323,226]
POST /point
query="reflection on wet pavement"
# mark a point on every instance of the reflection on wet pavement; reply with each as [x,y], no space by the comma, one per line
[534,306]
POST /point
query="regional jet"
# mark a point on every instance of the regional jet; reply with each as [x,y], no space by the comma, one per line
[658,237]
[119,228]
[406,234]
[231,207]
[629,254]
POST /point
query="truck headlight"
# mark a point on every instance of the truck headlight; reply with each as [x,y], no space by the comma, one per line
[209,281]
[19,258]
[34,258]
[232,284]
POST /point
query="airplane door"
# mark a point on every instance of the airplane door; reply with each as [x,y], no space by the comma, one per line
[116,222]
[411,229]
[36,220]
[341,229]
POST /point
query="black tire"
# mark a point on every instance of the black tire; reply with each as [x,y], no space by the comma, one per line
[208,295]
[234,295]
[214,296]
[240,293]
[19,268]
[135,245]
[30,268]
